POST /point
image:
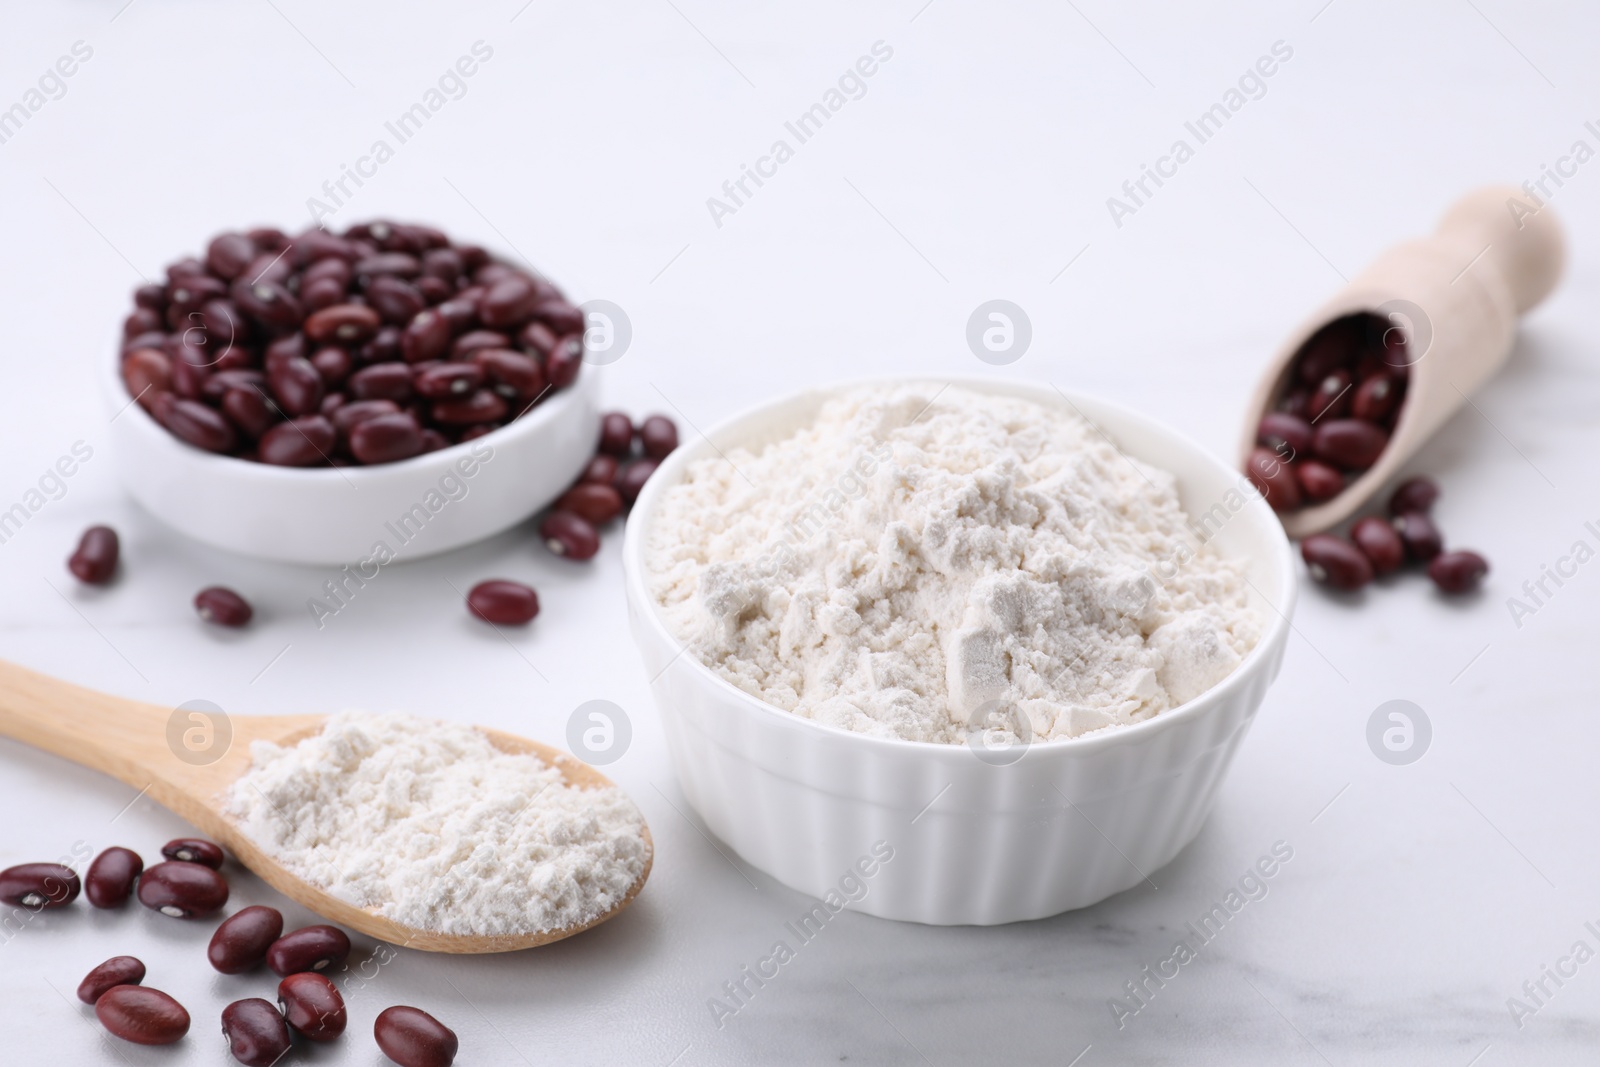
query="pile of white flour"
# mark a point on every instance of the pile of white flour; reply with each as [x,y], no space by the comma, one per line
[432,826]
[917,556]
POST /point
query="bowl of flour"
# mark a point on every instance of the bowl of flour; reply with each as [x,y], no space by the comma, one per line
[1011,636]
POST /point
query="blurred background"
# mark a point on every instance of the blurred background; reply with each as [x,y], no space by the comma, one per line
[975,163]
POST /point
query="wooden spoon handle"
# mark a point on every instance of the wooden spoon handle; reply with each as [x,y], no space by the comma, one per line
[113,735]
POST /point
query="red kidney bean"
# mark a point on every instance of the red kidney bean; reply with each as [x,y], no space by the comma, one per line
[333,365]
[195,424]
[433,440]
[221,327]
[1334,346]
[256,1034]
[267,267]
[1284,433]
[601,469]
[413,1038]
[386,438]
[329,269]
[188,293]
[570,535]
[331,403]
[1268,472]
[220,605]
[270,303]
[564,361]
[317,244]
[194,850]
[141,1015]
[472,257]
[473,341]
[1422,538]
[504,603]
[460,311]
[508,302]
[109,880]
[153,296]
[398,264]
[310,948]
[537,337]
[1376,398]
[268,237]
[319,294]
[250,410]
[1334,561]
[39,885]
[594,503]
[282,348]
[218,384]
[240,943]
[304,442]
[616,434]
[479,406]
[442,263]
[345,419]
[381,381]
[296,385]
[141,320]
[342,324]
[659,435]
[95,559]
[1458,572]
[511,374]
[382,348]
[118,970]
[1379,542]
[425,337]
[434,290]
[188,379]
[445,380]
[312,1005]
[183,890]
[397,301]
[1350,444]
[146,371]
[560,316]
[1414,494]
[1331,398]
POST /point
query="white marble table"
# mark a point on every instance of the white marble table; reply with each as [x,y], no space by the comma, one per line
[975,165]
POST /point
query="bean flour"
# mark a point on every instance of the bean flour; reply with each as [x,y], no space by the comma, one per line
[920,556]
[432,826]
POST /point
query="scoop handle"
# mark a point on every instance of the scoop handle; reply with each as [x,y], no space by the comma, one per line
[1512,234]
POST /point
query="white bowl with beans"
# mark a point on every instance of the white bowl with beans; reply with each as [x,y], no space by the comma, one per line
[933,832]
[337,515]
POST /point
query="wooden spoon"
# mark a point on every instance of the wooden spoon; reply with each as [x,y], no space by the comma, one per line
[138,743]
[1456,296]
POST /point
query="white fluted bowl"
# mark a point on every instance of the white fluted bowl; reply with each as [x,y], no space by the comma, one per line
[1066,825]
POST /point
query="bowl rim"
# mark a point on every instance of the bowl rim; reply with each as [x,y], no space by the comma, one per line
[177,450]
[1218,696]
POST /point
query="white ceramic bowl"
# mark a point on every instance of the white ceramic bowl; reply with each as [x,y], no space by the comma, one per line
[335,516]
[1068,824]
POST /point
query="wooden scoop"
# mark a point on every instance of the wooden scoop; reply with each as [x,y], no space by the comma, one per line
[135,743]
[1456,296]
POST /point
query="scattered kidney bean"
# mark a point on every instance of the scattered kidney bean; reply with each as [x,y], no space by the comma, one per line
[256,1034]
[616,434]
[220,605]
[1269,472]
[1457,572]
[569,535]
[1414,494]
[194,850]
[1380,543]
[630,479]
[183,890]
[109,881]
[268,326]
[502,602]
[659,436]
[1334,561]
[1422,538]
[141,1015]
[596,503]
[601,469]
[118,970]
[240,943]
[310,948]
[303,442]
[39,885]
[312,1005]
[386,438]
[95,559]
[413,1038]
